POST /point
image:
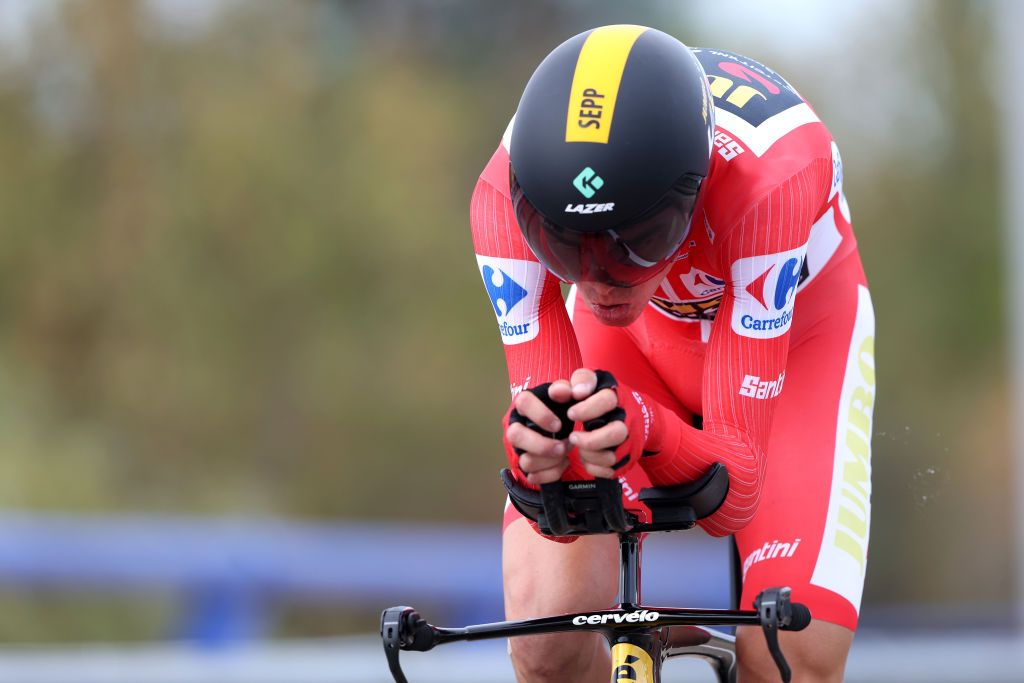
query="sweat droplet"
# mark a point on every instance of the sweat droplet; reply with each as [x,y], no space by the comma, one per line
[928,484]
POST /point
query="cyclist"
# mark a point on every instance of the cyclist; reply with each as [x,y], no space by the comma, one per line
[719,313]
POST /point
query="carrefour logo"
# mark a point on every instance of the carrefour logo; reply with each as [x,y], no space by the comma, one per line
[505,292]
[513,286]
[765,291]
[785,285]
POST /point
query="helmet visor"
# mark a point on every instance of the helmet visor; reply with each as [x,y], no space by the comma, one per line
[623,256]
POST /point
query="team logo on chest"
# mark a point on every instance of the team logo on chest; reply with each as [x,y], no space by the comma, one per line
[694,295]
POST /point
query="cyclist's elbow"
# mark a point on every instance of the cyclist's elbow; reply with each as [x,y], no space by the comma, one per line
[726,521]
[740,505]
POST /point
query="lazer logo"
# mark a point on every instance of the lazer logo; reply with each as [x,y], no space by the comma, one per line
[588,182]
[616,618]
[589,208]
[755,387]
[765,290]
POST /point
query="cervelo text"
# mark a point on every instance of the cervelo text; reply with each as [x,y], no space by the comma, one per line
[620,618]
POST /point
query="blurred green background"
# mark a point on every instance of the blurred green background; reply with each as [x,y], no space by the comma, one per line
[236,276]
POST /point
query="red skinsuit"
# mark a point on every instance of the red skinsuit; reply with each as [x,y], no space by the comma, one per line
[763,327]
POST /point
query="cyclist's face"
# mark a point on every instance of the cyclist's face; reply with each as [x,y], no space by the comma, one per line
[619,306]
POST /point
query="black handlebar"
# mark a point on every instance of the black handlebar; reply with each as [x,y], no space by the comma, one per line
[595,507]
[402,628]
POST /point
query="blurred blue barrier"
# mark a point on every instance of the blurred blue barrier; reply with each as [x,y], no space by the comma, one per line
[229,571]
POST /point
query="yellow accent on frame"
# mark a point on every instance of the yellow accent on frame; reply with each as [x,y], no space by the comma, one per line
[595,83]
[631,663]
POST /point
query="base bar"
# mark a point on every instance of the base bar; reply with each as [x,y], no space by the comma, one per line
[608,622]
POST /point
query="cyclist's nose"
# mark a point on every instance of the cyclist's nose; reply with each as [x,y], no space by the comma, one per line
[601,293]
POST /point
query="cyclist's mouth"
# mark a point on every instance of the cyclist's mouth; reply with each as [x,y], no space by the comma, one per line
[613,314]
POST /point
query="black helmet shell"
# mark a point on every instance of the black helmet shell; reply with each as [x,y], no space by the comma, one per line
[659,128]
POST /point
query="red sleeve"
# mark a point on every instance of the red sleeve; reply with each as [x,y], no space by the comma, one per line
[762,255]
[540,344]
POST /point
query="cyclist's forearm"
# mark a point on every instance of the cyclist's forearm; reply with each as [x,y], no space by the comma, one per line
[684,453]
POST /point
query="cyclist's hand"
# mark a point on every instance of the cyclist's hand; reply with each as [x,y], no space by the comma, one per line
[616,423]
[535,436]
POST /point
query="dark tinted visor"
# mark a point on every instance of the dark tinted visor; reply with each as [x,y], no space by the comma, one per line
[623,256]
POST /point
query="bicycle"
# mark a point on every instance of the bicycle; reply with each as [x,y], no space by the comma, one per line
[640,637]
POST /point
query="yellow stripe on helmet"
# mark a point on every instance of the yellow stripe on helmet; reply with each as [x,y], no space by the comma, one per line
[595,83]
